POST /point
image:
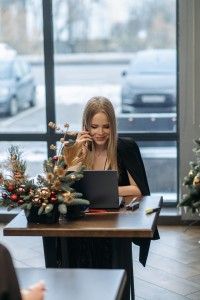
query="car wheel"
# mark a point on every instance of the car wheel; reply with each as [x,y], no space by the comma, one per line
[33,98]
[13,108]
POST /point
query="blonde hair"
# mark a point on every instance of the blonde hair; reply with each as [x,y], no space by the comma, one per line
[94,106]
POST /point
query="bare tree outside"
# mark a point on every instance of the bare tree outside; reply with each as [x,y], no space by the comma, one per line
[84,26]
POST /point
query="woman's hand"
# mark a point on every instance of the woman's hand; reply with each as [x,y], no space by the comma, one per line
[74,155]
[129,190]
[83,137]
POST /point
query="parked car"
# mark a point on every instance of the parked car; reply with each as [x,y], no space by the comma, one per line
[17,84]
[5,48]
[149,85]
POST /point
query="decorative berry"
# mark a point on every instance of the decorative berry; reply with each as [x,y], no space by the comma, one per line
[10,188]
[53,199]
[66,144]
[18,175]
[14,197]
[55,158]
[20,201]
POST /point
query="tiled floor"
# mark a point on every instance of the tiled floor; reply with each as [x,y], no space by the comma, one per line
[172,271]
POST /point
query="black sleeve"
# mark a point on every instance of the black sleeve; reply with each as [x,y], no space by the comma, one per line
[9,287]
[130,155]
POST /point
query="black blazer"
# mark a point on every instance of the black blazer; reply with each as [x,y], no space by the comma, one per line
[129,158]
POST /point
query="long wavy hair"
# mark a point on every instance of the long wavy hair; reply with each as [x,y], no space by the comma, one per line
[94,106]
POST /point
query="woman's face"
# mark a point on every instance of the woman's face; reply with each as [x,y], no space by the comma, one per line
[100,128]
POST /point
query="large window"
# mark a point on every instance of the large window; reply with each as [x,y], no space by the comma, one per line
[124,50]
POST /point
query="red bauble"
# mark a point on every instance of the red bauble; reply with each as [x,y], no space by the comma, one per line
[55,158]
[20,201]
[10,188]
[14,197]
[4,195]
[66,144]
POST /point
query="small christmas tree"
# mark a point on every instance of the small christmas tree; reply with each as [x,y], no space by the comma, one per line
[192,182]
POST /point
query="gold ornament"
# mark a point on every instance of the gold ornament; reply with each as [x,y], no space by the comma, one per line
[67,197]
[191,173]
[56,185]
[73,177]
[49,177]
[36,200]
[44,193]
[60,172]
[196,181]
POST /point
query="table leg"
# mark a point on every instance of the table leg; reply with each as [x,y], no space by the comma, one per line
[122,259]
[51,248]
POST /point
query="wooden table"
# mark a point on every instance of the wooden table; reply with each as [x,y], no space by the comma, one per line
[119,226]
[77,284]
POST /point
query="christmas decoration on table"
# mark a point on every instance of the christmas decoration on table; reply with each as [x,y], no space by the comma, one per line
[192,182]
[55,188]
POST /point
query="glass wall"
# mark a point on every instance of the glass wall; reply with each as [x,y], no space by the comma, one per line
[22,94]
[124,50]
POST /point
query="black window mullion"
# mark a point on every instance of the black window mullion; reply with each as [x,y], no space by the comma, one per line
[49,71]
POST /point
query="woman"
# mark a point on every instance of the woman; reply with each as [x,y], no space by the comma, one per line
[98,147]
[9,286]
[103,150]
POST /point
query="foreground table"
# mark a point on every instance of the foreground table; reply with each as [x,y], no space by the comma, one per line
[119,226]
[77,284]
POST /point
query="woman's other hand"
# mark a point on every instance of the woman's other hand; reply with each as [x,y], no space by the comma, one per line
[35,292]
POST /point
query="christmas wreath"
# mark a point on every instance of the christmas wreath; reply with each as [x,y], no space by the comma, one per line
[55,187]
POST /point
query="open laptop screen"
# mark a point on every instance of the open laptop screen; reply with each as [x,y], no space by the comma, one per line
[100,187]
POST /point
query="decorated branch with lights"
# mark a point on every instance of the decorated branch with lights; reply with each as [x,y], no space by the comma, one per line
[192,182]
[54,188]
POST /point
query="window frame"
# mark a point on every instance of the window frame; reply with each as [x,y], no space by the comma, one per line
[50,136]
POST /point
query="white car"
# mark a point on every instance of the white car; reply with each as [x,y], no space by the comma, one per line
[6,49]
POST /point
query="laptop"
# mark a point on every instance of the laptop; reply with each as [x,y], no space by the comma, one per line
[100,187]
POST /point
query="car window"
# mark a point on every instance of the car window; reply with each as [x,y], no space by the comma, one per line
[147,63]
[5,70]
